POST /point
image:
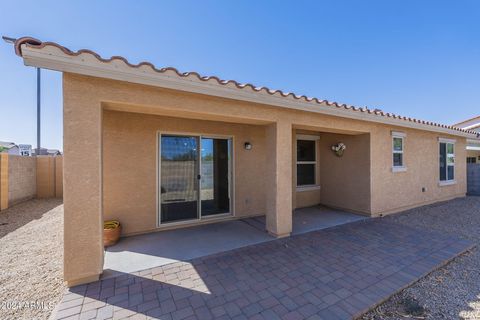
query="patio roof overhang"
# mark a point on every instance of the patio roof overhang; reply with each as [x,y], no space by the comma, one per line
[52,56]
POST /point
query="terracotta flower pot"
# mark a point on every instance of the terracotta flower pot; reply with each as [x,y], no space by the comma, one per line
[111,232]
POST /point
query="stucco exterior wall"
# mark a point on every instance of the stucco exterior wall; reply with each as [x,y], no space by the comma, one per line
[345,181]
[396,191]
[130,178]
[88,99]
[22,180]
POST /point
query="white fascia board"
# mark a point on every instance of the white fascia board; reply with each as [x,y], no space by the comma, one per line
[445,140]
[398,134]
[473,141]
[145,75]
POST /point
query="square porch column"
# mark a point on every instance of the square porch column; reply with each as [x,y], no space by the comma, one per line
[279,179]
[82,182]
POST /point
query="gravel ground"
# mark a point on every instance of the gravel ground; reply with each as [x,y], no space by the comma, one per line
[31,259]
[453,291]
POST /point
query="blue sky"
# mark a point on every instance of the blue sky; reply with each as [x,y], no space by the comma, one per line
[415,58]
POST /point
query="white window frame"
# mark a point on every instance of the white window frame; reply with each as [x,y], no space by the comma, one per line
[307,187]
[447,182]
[398,135]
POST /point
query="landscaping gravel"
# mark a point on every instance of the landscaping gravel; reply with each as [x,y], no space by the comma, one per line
[31,259]
[453,291]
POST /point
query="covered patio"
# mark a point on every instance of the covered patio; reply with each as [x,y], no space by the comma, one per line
[150,250]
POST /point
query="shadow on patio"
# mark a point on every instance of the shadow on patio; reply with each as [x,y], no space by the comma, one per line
[160,248]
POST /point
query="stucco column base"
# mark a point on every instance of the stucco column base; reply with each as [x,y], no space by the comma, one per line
[278,236]
[77,282]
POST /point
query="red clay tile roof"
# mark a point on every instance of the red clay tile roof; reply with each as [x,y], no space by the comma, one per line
[35,43]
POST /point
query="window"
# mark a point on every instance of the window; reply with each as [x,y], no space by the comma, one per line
[447,160]
[306,161]
[471,160]
[398,144]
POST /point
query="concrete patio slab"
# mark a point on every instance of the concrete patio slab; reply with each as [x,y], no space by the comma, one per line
[160,248]
[156,249]
[313,218]
[335,273]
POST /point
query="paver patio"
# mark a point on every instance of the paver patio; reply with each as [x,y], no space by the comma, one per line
[336,273]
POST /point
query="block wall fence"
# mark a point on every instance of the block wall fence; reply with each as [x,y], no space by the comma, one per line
[24,178]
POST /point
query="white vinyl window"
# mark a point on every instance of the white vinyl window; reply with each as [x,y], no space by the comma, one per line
[447,161]
[306,161]
[398,148]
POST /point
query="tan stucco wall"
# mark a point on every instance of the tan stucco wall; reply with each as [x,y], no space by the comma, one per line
[22,178]
[85,98]
[345,181]
[395,191]
[130,164]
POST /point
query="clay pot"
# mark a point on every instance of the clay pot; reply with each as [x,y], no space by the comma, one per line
[111,232]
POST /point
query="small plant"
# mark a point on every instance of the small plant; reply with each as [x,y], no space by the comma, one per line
[111,232]
[111,224]
[339,148]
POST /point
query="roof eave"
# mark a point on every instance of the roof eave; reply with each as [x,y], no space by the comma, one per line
[120,70]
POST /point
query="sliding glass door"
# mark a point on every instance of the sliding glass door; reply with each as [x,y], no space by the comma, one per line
[194,177]
[215,173]
[178,178]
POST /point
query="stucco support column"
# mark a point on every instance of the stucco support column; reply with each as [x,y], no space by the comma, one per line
[279,179]
[82,181]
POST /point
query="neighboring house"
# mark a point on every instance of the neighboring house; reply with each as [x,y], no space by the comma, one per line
[53,152]
[9,147]
[47,152]
[210,150]
[473,155]
[473,146]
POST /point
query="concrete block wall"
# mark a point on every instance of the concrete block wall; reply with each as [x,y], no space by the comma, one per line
[23,178]
[3,181]
[22,173]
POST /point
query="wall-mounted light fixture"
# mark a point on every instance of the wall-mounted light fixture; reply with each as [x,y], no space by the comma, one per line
[247,146]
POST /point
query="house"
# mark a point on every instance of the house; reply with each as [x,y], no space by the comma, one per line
[9,147]
[473,155]
[209,150]
[47,152]
[473,146]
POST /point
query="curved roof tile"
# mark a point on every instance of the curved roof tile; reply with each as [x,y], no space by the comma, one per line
[32,42]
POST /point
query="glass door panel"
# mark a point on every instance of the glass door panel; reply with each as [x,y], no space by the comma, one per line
[215,176]
[178,178]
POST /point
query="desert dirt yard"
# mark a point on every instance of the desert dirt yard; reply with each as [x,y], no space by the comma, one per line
[31,259]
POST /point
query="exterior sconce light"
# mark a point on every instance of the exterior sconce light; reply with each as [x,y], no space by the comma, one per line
[247,146]
[338,149]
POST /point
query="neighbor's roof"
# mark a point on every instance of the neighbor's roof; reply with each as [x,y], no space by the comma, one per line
[53,56]
[469,124]
[7,145]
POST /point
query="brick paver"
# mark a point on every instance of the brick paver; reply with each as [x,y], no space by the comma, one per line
[338,273]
